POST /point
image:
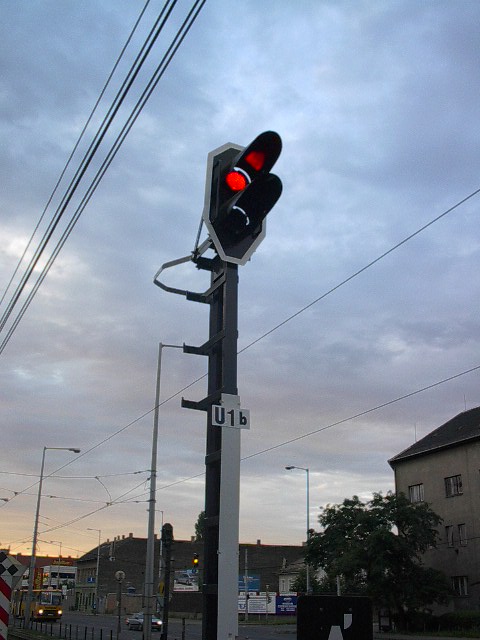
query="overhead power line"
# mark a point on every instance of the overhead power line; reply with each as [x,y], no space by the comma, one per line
[64,170]
[145,95]
[285,321]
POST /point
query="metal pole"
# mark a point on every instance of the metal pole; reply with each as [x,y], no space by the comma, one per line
[227,624]
[307,567]
[167,535]
[33,557]
[308,529]
[119,577]
[95,608]
[59,563]
[245,580]
[31,571]
[119,611]
[220,590]
[150,555]
[97,574]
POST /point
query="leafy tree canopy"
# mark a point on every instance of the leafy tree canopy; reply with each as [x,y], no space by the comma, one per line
[376,547]
[200,526]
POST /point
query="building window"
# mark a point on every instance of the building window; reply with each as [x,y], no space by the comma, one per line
[415,493]
[453,486]
[460,585]
[462,534]
[449,535]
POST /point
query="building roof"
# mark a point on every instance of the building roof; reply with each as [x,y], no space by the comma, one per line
[462,428]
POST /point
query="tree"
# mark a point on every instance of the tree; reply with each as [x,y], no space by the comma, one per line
[200,526]
[376,547]
[300,583]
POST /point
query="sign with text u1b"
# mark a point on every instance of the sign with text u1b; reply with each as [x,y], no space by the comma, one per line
[334,618]
[229,413]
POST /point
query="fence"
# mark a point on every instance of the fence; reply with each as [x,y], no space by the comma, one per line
[67,631]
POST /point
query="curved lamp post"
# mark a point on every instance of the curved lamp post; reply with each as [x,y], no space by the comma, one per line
[33,557]
[149,579]
[307,471]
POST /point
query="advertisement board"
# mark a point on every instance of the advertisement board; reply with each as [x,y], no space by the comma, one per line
[286,605]
[253,582]
[186,580]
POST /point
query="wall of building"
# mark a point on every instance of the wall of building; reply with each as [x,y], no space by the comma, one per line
[128,554]
[458,552]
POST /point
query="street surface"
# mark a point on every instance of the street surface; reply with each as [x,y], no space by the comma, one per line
[193,628]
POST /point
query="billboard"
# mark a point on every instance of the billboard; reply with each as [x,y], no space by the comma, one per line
[286,605]
[253,582]
[186,580]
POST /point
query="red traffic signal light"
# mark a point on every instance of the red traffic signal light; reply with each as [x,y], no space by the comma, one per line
[240,193]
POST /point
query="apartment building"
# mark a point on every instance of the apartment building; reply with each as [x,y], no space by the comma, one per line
[443,470]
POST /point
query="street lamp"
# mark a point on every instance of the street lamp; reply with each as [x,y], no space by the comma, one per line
[33,557]
[147,626]
[95,605]
[58,566]
[307,471]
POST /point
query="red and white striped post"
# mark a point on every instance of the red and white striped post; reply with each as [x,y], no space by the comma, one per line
[10,573]
[5,599]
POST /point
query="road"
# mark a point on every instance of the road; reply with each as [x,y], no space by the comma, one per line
[193,628]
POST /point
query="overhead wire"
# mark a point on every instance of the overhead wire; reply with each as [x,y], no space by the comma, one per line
[285,321]
[139,106]
[151,85]
[27,274]
[118,500]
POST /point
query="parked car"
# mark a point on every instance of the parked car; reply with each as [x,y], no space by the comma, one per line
[135,621]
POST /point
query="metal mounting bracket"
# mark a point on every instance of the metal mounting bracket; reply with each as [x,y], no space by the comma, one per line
[195,256]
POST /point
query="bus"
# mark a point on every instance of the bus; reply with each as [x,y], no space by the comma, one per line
[46,604]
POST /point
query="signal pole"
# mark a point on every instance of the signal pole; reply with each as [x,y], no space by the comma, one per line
[240,191]
[222,459]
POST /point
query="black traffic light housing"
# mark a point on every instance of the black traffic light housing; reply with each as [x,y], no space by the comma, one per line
[240,193]
[195,561]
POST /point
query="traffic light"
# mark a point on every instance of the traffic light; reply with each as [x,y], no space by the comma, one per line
[195,561]
[239,194]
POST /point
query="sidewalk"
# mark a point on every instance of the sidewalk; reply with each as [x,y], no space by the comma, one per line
[398,636]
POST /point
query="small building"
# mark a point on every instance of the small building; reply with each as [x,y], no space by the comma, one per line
[262,563]
[443,470]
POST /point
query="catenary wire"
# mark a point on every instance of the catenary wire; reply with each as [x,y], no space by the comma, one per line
[324,428]
[89,155]
[119,500]
[171,51]
[285,321]
[70,158]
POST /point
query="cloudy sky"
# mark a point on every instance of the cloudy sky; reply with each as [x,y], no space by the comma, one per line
[358,334]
